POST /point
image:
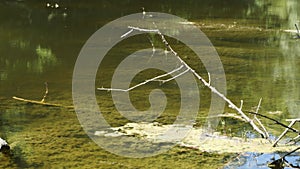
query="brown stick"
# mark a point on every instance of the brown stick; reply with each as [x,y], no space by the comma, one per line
[41,102]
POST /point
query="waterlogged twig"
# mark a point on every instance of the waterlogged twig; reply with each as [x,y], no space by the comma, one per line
[184,64]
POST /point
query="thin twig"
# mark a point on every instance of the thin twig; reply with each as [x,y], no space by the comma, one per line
[46,92]
[143,83]
[127,33]
[153,47]
[209,80]
[174,77]
[241,106]
[258,121]
[144,30]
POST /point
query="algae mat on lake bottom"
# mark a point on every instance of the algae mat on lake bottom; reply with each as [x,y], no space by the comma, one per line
[59,142]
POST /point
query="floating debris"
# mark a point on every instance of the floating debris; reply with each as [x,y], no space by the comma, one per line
[187,23]
[196,138]
[275,112]
[48,5]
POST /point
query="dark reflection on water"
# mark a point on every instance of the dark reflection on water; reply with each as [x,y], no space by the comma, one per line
[39,42]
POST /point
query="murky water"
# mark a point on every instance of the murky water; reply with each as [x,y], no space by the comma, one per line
[40,43]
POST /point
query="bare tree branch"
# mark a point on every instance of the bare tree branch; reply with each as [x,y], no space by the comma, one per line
[184,64]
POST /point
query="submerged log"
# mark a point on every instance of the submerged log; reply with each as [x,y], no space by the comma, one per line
[4,147]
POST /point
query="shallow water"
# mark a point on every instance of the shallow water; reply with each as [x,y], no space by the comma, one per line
[40,44]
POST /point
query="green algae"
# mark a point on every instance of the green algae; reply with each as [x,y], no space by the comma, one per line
[55,141]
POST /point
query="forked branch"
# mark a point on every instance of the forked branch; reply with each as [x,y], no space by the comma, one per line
[263,132]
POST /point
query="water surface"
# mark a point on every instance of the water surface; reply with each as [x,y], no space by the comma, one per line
[40,44]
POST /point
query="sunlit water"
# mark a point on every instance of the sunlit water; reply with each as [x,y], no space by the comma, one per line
[40,43]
